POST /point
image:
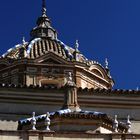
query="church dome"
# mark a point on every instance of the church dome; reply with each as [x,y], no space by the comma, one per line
[43,41]
[41,46]
[43,51]
[38,47]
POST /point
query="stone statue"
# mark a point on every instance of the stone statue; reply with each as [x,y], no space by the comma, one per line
[70,81]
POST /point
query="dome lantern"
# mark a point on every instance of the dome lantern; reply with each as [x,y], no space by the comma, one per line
[43,28]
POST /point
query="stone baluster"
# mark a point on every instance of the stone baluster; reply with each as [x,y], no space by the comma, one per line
[128,123]
[33,121]
[47,121]
[115,124]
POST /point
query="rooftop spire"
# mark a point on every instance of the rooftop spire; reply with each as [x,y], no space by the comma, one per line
[44,8]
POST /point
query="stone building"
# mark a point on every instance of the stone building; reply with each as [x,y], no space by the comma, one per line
[45,61]
[70,95]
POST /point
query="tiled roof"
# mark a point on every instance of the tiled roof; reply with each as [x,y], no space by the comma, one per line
[107,91]
[107,121]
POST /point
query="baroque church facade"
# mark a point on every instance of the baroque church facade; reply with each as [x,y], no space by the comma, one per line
[70,96]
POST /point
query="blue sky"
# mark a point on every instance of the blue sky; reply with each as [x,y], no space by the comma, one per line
[105,29]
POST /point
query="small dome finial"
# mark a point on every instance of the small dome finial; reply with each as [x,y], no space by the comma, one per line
[106,63]
[23,40]
[77,45]
[44,8]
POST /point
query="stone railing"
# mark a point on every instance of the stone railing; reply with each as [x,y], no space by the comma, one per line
[43,135]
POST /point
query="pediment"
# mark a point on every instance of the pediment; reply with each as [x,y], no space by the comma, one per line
[51,58]
[51,61]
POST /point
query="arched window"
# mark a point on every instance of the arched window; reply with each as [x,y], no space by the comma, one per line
[97,72]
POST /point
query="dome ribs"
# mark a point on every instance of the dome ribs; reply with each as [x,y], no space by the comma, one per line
[63,52]
[51,45]
[36,50]
[43,46]
[56,47]
[32,54]
[47,44]
[40,48]
[33,51]
[59,50]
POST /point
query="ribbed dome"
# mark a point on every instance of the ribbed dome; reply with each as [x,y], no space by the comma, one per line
[44,40]
[39,47]
[42,46]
